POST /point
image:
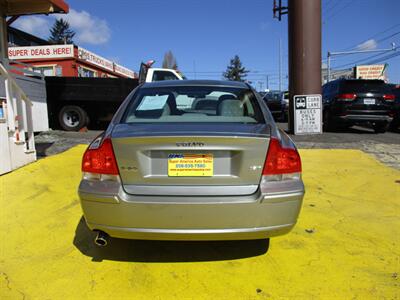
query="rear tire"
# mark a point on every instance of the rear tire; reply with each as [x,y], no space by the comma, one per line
[284,117]
[395,124]
[327,121]
[72,118]
[380,127]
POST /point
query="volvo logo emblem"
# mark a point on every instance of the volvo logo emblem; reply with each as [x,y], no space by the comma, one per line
[190,144]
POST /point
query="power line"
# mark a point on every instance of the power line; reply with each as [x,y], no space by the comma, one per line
[338,11]
[381,59]
[326,6]
[390,56]
[369,57]
[334,5]
[373,36]
[388,37]
[377,42]
[361,60]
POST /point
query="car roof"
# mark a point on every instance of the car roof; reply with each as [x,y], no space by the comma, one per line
[167,83]
[356,79]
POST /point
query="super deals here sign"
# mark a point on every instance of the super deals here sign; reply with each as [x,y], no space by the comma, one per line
[32,52]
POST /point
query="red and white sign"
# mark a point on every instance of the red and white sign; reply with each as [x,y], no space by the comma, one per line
[95,59]
[33,52]
[370,72]
[124,71]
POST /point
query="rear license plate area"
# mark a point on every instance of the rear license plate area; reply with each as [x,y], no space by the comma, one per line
[190,165]
[369,101]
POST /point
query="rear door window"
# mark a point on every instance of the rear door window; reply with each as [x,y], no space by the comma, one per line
[273,96]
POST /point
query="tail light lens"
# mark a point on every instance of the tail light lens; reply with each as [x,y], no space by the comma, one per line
[100,159]
[389,97]
[346,97]
[280,160]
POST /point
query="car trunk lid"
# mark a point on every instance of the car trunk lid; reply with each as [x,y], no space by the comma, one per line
[160,159]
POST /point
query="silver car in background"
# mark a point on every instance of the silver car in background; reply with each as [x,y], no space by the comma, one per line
[191,160]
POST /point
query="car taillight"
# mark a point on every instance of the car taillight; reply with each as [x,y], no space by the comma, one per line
[346,97]
[389,97]
[100,159]
[281,160]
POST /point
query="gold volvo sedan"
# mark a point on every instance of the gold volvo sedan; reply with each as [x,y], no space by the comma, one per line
[191,160]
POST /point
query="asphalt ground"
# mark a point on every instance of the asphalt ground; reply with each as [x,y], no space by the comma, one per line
[345,245]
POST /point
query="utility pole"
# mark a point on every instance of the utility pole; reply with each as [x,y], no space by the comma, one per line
[267,81]
[304,26]
[280,64]
[260,84]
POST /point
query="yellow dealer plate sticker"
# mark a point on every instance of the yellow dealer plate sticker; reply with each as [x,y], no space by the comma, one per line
[190,165]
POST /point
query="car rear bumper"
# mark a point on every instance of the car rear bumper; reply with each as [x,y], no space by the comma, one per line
[128,216]
[192,234]
[366,118]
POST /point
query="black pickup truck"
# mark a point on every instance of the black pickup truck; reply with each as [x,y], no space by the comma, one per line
[73,102]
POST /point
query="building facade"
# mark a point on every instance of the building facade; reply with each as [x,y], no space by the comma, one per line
[60,60]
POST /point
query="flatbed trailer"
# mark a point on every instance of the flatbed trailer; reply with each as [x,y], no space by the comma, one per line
[74,102]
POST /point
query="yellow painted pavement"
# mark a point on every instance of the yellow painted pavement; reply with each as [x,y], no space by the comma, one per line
[345,245]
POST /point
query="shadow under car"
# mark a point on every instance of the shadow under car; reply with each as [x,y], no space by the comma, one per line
[165,251]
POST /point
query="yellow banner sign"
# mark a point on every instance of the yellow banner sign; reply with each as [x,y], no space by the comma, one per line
[190,165]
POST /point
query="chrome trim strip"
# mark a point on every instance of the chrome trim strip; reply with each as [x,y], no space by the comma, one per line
[200,190]
[191,231]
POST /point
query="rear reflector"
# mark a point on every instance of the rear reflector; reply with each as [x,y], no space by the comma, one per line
[389,97]
[100,160]
[281,160]
[346,97]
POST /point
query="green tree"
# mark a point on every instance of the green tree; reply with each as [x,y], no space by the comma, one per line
[60,33]
[169,61]
[235,71]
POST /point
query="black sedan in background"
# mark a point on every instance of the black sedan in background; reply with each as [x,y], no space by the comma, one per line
[277,104]
[348,102]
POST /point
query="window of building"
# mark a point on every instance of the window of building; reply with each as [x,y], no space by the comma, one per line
[85,72]
[45,70]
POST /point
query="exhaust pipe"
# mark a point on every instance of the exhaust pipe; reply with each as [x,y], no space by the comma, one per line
[101,239]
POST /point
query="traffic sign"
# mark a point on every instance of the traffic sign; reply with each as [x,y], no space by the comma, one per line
[307,114]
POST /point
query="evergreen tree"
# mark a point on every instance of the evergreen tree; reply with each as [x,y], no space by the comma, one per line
[235,71]
[60,33]
[169,61]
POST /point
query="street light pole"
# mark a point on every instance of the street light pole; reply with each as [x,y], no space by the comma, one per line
[280,64]
[330,54]
[329,67]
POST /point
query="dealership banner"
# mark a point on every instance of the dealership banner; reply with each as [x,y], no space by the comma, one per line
[95,59]
[36,52]
[124,71]
[370,72]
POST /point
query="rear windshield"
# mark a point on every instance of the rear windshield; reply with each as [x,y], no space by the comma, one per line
[273,96]
[365,86]
[193,104]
